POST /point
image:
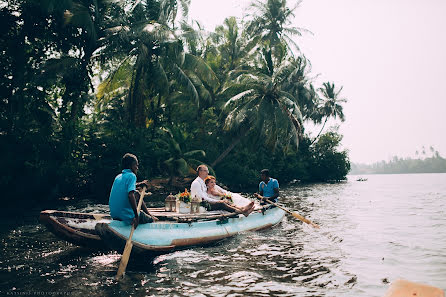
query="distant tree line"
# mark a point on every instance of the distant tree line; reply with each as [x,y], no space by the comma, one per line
[84,82]
[429,164]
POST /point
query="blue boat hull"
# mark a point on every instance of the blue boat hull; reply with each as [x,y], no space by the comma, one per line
[163,237]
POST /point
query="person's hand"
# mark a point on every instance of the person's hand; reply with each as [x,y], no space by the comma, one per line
[259,196]
[143,183]
[135,222]
[154,218]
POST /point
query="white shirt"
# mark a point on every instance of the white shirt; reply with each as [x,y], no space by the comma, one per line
[199,189]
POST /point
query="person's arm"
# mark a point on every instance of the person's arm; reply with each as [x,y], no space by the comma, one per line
[143,183]
[132,201]
[259,195]
[209,199]
[131,190]
[276,194]
[146,210]
[276,190]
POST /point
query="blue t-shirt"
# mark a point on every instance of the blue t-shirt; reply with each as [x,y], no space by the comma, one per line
[268,189]
[120,207]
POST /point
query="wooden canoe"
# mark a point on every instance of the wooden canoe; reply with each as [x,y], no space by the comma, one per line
[166,236]
[75,227]
[173,231]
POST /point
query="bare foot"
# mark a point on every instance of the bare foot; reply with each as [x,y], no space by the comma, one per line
[248,209]
[249,205]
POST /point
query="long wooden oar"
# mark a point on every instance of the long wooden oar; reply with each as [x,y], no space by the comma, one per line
[128,245]
[296,215]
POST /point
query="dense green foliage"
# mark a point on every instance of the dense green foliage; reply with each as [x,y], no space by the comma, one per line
[84,82]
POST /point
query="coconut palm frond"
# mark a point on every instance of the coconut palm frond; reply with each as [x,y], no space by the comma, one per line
[186,83]
[202,70]
[203,92]
[159,78]
[239,97]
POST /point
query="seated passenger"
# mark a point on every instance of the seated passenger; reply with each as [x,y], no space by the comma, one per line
[199,189]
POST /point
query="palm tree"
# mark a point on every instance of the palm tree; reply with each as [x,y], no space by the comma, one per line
[156,69]
[270,21]
[299,84]
[223,50]
[431,148]
[331,105]
[180,163]
[231,48]
[76,30]
[259,106]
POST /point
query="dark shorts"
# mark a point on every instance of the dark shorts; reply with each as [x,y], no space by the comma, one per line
[144,218]
[266,203]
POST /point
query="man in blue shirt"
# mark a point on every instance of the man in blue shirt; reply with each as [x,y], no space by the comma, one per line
[123,195]
[268,187]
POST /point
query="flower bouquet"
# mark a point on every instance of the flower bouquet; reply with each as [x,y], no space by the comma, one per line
[184,196]
[227,197]
[183,202]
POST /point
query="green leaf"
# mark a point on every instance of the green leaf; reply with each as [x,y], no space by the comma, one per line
[195,154]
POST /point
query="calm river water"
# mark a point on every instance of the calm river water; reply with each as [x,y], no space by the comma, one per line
[372,232]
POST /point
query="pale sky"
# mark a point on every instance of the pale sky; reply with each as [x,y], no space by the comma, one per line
[390,57]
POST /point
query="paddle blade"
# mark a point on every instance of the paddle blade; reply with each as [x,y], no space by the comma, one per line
[298,216]
[315,225]
[406,288]
[124,259]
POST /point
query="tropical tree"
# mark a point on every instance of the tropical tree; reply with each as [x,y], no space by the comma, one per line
[271,20]
[328,162]
[299,84]
[49,47]
[331,106]
[260,105]
[155,70]
[81,31]
[180,163]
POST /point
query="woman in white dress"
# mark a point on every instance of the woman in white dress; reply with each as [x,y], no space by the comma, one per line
[236,201]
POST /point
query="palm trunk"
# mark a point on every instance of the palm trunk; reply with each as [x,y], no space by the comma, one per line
[229,148]
[319,131]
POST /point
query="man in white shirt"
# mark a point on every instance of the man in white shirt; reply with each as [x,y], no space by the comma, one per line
[199,189]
